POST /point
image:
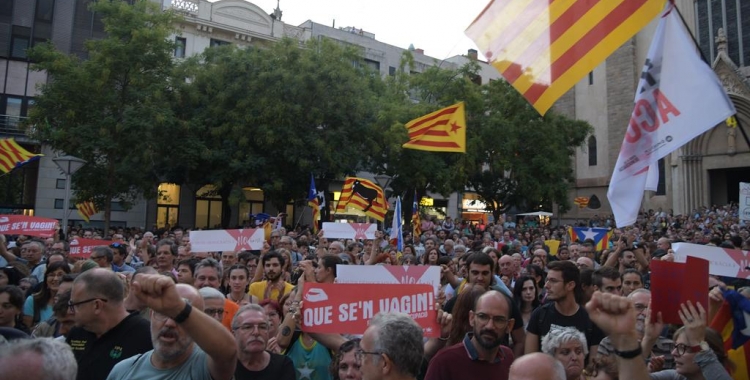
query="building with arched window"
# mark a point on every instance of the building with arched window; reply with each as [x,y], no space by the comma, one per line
[704,172]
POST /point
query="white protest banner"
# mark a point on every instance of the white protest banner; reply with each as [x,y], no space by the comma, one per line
[744,201]
[389,274]
[721,261]
[349,230]
[226,240]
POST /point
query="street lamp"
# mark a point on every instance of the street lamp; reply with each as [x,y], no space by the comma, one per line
[68,165]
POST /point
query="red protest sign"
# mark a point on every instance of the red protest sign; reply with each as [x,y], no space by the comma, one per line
[675,283]
[347,308]
[28,225]
[81,248]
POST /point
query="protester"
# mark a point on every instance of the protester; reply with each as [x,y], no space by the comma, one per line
[37,359]
[568,345]
[346,365]
[187,343]
[487,358]
[251,328]
[105,332]
[391,348]
[38,307]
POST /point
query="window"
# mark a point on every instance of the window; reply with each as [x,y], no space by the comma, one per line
[253,204]
[592,151]
[661,187]
[59,203]
[391,71]
[208,209]
[375,65]
[591,78]
[44,10]
[215,42]
[13,111]
[179,49]
[20,41]
[168,205]
[60,184]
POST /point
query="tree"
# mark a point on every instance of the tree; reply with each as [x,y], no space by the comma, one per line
[105,109]
[517,157]
[269,117]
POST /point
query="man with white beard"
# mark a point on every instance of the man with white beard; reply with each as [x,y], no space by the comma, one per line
[658,353]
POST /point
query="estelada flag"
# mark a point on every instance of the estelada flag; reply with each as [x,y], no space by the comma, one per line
[543,48]
[316,201]
[13,155]
[441,131]
[363,195]
[86,210]
[600,236]
[732,322]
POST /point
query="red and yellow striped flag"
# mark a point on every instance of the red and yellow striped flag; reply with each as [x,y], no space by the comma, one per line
[86,210]
[543,48]
[723,323]
[441,131]
[13,155]
[363,195]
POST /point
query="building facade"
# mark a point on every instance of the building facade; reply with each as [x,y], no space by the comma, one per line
[702,173]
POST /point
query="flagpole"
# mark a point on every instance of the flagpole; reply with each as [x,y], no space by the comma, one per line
[703,56]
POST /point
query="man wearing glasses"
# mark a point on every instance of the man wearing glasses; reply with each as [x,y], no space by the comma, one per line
[105,332]
[250,327]
[481,355]
[391,348]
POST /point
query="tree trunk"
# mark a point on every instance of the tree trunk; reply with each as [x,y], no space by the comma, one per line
[108,196]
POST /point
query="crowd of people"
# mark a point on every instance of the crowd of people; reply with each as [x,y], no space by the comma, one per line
[146,306]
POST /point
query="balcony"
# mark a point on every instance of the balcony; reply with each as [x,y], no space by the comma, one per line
[12,126]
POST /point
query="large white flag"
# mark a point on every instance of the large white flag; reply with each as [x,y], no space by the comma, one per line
[678,98]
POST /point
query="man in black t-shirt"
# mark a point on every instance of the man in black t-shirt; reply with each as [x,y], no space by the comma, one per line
[250,327]
[105,332]
[563,284]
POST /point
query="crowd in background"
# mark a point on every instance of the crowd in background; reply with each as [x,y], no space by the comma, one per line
[504,295]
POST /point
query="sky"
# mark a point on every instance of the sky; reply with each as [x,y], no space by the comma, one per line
[437,26]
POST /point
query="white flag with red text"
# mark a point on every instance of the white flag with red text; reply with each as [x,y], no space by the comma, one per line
[678,98]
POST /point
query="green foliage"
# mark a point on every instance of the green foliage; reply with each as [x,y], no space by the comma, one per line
[269,117]
[105,109]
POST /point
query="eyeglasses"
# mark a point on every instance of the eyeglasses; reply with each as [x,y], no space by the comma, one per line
[251,327]
[72,305]
[681,349]
[360,353]
[497,320]
[220,312]
[96,257]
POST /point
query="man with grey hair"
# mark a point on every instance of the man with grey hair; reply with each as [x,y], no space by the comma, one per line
[103,257]
[37,359]
[448,248]
[188,344]
[391,348]
[250,327]
[335,248]
[459,250]
[537,366]
[213,302]
[656,349]
[208,275]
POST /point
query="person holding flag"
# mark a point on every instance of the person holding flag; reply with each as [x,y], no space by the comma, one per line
[397,234]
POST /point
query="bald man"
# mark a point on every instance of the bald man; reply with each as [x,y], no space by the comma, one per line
[537,366]
[187,342]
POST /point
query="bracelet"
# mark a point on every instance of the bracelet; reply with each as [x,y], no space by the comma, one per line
[184,314]
[630,354]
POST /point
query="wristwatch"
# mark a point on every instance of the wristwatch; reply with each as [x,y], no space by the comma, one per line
[703,346]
